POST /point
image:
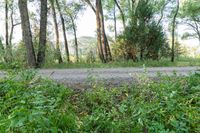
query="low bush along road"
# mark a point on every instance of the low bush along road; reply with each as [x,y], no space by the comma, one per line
[112,76]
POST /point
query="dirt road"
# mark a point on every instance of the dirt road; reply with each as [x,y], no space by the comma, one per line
[114,76]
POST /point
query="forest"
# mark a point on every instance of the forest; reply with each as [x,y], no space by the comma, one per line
[100,66]
[127,30]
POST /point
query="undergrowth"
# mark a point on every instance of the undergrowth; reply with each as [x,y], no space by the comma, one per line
[180,62]
[29,103]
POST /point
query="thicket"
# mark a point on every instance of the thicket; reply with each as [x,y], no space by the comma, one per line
[29,103]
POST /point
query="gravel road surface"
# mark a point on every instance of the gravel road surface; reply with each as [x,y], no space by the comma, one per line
[78,77]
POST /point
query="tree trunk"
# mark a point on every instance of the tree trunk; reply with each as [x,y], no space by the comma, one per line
[6,23]
[64,31]
[58,52]
[173,32]
[106,47]
[43,34]
[100,48]
[12,28]
[75,38]
[115,22]
[27,35]
[8,55]
[122,14]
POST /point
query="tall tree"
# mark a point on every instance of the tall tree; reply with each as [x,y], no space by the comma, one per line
[190,16]
[173,31]
[103,46]
[107,52]
[115,21]
[26,32]
[99,35]
[122,14]
[72,10]
[58,51]
[64,31]
[43,33]
[75,37]
[6,23]
[14,23]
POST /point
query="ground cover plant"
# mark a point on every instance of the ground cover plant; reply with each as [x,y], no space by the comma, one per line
[29,103]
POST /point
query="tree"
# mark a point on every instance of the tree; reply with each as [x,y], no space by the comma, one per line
[58,52]
[173,31]
[122,13]
[27,35]
[71,11]
[103,45]
[43,32]
[107,52]
[64,31]
[6,23]
[190,15]
[13,20]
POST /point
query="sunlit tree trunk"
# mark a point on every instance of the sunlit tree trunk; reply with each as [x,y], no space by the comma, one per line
[99,34]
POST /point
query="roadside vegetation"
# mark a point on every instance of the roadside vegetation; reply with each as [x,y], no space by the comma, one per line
[180,62]
[29,103]
[165,62]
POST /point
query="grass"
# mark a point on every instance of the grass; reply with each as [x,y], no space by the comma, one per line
[180,62]
[29,103]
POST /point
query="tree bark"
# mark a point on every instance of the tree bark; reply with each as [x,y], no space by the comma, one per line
[43,34]
[106,47]
[64,31]
[58,52]
[8,55]
[6,23]
[173,32]
[99,34]
[27,35]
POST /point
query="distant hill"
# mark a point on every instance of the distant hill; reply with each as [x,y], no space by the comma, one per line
[86,44]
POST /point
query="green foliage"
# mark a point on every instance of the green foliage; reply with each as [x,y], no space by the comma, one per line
[29,103]
[144,33]
[167,105]
[190,15]
[119,62]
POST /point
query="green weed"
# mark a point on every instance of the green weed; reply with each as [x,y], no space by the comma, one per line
[29,103]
